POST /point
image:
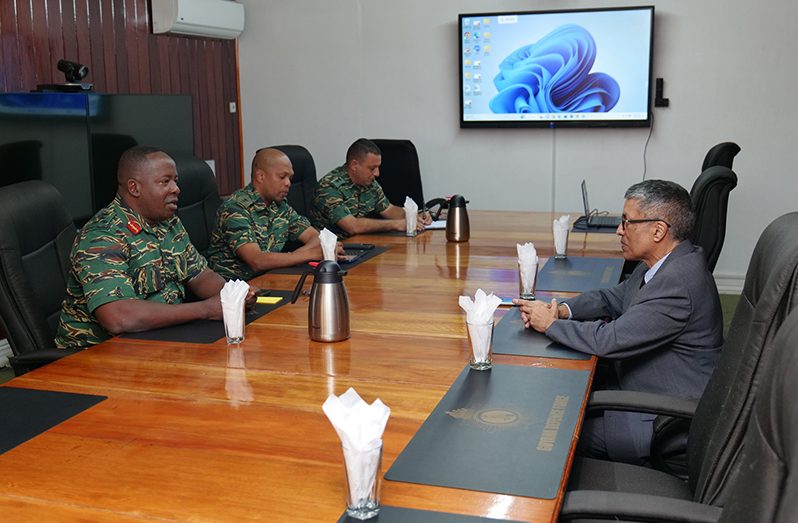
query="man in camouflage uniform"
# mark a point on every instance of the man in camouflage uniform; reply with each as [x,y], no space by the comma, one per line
[133,260]
[254,224]
[346,197]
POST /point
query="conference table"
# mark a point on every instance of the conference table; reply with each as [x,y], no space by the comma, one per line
[211,432]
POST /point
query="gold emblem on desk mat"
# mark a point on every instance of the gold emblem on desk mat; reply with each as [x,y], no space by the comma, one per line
[489,419]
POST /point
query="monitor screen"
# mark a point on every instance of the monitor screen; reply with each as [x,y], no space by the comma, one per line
[575,68]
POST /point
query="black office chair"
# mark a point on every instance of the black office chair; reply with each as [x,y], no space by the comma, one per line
[722,154]
[303,183]
[198,201]
[36,236]
[400,175]
[710,195]
[719,418]
[767,491]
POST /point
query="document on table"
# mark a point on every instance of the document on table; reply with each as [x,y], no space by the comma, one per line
[437,224]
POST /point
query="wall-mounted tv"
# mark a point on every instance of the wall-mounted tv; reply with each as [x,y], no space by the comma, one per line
[565,68]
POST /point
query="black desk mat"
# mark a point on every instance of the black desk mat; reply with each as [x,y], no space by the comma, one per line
[365,256]
[510,337]
[579,274]
[507,430]
[206,331]
[390,514]
[26,413]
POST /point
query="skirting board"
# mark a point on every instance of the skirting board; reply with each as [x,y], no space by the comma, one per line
[729,283]
[5,352]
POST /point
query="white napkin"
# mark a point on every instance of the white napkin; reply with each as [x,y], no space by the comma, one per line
[479,315]
[560,228]
[411,215]
[328,241]
[360,427]
[527,264]
[232,296]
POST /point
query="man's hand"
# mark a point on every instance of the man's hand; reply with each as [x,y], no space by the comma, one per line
[537,314]
[339,250]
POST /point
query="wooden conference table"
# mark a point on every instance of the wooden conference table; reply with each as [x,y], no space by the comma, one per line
[213,433]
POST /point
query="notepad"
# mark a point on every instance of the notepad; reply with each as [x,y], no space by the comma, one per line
[269,300]
[436,225]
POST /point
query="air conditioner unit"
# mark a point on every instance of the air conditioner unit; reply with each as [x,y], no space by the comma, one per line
[212,18]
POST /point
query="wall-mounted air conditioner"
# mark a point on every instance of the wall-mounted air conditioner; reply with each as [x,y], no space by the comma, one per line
[213,18]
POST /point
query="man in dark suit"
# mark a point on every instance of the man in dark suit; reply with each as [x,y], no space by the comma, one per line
[660,330]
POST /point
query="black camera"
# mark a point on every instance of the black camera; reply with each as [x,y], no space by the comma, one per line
[73,71]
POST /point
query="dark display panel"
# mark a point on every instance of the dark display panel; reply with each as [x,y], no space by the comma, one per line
[74,140]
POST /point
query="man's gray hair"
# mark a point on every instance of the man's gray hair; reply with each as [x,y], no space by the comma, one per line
[667,201]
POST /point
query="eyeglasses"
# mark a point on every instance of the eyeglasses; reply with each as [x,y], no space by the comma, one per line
[627,221]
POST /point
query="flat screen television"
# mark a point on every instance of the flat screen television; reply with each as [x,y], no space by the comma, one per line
[565,68]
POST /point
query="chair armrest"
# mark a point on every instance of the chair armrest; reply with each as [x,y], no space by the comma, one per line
[634,507]
[23,363]
[633,401]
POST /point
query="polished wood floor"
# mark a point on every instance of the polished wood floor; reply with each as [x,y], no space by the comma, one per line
[223,433]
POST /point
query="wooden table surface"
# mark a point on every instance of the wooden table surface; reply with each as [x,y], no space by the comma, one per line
[217,433]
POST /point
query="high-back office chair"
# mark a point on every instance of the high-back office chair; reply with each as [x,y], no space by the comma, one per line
[36,236]
[710,195]
[722,154]
[719,419]
[768,490]
[400,175]
[198,201]
[303,183]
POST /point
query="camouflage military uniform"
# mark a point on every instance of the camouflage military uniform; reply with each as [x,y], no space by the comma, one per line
[245,218]
[118,256]
[337,197]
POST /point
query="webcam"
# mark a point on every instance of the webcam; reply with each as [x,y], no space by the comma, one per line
[73,71]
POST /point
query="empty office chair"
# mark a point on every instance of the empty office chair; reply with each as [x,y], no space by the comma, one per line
[36,236]
[710,195]
[768,490]
[720,417]
[722,154]
[303,183]
[400,175]
[198,201]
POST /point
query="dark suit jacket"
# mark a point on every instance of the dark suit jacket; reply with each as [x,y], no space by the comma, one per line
[665,337]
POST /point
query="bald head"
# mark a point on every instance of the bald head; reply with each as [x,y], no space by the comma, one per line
[271,174]
[266,158]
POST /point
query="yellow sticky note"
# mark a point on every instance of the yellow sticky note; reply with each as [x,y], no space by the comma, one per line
[269,300]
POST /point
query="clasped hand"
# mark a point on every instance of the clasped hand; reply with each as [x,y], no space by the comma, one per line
[537,314]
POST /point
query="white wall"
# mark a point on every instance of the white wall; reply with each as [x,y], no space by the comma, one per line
[322,73]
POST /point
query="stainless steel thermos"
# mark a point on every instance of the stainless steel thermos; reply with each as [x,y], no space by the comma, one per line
[328,310]
[458,228]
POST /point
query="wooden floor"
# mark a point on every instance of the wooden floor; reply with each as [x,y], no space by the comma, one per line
[224,433]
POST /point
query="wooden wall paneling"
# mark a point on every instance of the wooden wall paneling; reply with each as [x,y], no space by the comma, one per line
[142,47]
[113,38]
[84,34]
[118,44]
[41,42]
[27,47]
[8,45]
[54,26]
[104,80]
[69,36]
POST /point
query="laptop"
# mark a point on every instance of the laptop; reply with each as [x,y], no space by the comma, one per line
[593,218]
